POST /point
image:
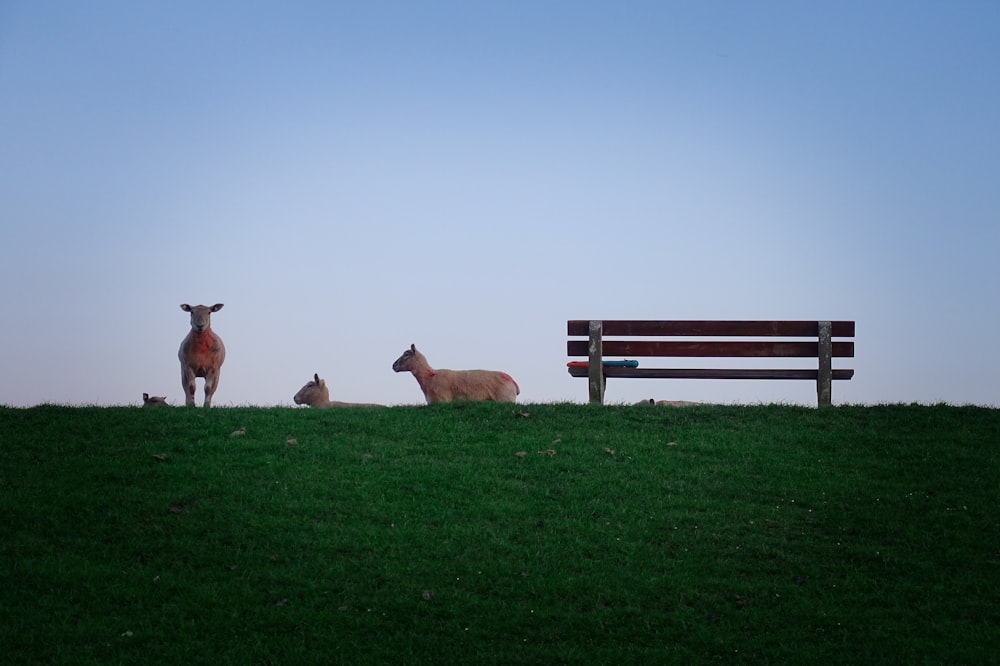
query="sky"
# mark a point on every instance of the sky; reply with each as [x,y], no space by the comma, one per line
[349,178]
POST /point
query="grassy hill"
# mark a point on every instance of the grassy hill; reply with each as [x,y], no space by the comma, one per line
[500,534]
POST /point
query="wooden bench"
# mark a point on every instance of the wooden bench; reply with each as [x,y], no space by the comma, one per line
[701,339]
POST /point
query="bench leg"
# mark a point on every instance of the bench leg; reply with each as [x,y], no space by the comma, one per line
[824,379]
[595,362]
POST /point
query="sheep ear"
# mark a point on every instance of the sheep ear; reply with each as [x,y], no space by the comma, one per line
[217,307]
[185,307]
[316,377]
[413,348]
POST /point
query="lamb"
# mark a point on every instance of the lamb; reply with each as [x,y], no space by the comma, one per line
[315,394]
[201,354]
[154,400]
[449,385]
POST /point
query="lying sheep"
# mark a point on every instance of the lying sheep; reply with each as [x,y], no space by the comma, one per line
[449,385]
[315,394]
[201,354]
[154,400]
[668,403]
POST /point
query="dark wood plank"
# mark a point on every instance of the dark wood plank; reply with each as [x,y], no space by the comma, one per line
[709,349]
[721,328]
[713,373]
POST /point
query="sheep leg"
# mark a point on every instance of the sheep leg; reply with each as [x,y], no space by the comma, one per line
[211,383]
[188,385]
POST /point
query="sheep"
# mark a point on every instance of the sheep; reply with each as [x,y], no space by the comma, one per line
[154,400]
[201,353]
[668,403]
[315,394]
[448,385]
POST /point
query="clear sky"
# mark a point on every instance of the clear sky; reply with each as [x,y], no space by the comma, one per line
[352,177]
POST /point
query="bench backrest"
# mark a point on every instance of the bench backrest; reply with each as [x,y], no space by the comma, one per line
[715,329]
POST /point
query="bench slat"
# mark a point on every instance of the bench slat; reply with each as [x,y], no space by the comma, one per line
[747,328]
[712,373]
[709,349]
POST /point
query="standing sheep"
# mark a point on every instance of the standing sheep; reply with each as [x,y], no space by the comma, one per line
[449,385]
[154,400]
[201,354]
[316,394]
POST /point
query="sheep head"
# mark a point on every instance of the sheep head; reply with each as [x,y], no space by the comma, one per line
[314,393]
[406,362]
[201,315]
[153,400]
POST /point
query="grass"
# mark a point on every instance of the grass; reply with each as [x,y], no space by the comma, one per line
[411,535]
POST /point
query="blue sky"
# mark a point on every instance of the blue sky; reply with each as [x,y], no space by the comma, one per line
[352,177]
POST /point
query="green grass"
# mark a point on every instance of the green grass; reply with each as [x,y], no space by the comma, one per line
[411,535]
